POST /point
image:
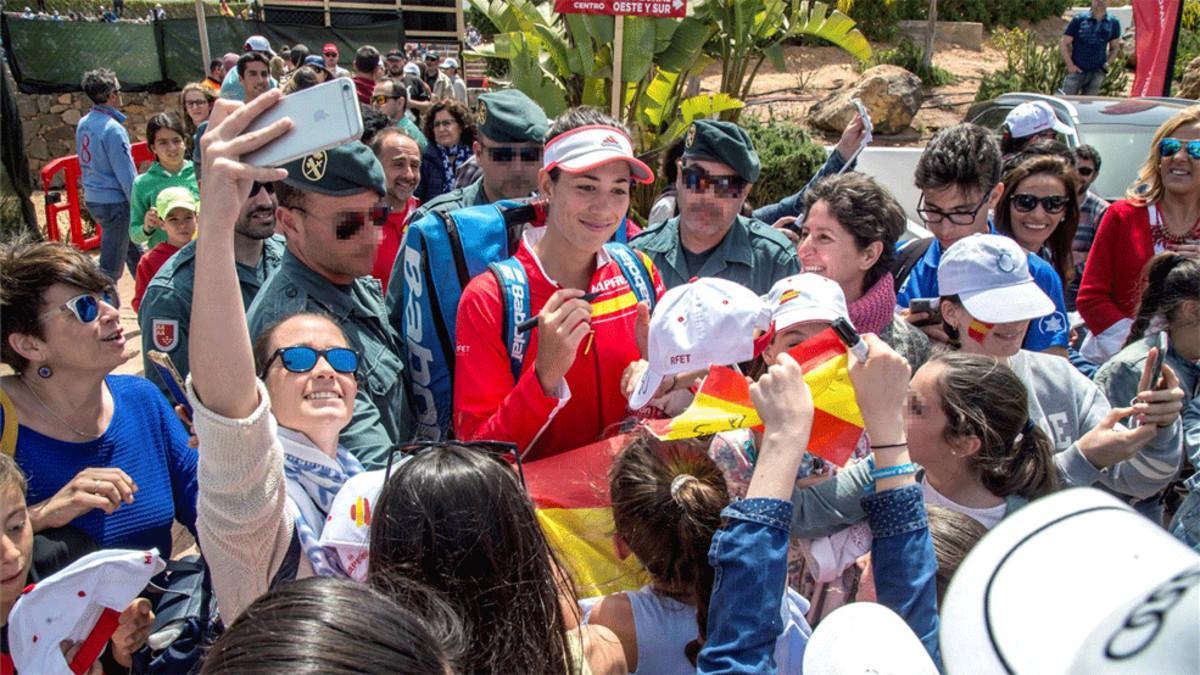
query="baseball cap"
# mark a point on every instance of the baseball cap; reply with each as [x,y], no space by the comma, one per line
[412,69]
[1033,117]
[315,61]
[173,198]
[81,603]
[865,637]
[1076,582]
[590,146]
[329,48]
[395,55]
[449,63]
[431,56]
[258,43]
[806,297]
[701,323]
[347,529]
[990,274]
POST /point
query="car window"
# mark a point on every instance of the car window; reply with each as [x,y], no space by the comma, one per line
[1122,149]
[992,118]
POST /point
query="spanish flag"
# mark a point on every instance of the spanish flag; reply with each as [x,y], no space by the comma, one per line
[570,495]
[723,402]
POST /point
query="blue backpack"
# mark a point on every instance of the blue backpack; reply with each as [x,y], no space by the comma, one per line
[441,252]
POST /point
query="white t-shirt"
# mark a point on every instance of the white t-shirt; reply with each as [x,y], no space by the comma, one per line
[988,517]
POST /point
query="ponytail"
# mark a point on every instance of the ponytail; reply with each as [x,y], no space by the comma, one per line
[1028,470]
[1167,281]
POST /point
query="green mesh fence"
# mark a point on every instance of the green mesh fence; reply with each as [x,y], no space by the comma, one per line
[50,57]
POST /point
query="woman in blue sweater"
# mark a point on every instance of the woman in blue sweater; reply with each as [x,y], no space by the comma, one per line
[104,453]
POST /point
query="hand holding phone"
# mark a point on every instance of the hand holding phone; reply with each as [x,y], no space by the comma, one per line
[323,117]
[931,307]
[170,378]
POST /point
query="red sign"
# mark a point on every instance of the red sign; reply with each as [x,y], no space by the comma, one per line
[1157,24]
[655,8]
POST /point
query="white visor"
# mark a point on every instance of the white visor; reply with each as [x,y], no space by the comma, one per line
[591,146]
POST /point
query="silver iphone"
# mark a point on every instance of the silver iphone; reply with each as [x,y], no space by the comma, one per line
[323,117]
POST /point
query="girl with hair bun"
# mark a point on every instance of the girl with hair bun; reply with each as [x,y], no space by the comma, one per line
[667,500]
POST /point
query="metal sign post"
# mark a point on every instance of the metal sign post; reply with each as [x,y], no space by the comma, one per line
[203,28]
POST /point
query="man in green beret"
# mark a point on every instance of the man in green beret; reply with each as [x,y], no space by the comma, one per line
[710,237]
[330,208]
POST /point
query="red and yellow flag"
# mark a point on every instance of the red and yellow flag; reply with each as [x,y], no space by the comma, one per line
[723,402]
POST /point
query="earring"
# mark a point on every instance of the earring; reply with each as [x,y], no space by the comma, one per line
[44,372]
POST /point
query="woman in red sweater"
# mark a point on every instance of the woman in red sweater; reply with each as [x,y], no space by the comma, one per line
[1161,212]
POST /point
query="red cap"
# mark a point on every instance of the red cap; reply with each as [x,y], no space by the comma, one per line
[329,47]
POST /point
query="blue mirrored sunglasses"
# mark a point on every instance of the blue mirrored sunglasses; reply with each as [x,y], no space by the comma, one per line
[301,359]
[1171,146]
[86,306]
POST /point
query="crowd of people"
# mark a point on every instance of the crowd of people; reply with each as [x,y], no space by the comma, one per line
[396,327]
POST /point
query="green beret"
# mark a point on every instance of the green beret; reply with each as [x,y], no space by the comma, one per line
[723,142]
[509,116]
[345,170]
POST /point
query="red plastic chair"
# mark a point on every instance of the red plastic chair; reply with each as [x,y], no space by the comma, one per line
[69,167]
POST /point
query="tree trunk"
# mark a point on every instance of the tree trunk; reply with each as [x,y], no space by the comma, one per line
[930,29]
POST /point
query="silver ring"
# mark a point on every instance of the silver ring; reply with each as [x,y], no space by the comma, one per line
[96,489]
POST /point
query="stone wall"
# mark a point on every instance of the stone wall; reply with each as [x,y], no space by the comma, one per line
[48,121]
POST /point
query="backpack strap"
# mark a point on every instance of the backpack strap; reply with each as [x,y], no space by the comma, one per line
[8,425]
[514,296]
[635,272]
[909,257]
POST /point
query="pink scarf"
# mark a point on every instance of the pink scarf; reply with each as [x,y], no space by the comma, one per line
[873,311]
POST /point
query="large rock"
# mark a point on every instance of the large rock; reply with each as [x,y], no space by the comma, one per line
[1190,87]
[890,93]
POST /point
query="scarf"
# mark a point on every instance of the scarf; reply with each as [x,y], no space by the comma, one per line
[452,158]
[313,480]
[873,312]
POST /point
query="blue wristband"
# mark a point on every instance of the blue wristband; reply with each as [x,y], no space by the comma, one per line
[893,471]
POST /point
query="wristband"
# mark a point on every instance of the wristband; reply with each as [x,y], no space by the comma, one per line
[893,471]
[902,444]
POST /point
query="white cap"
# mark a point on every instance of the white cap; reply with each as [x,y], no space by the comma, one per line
[701,323]
[590,146]
[258,43]
[348,527]
[1033,117]
[863,637]
[450,63]
[990,274]
[411,68]
[80,604]
[806,297]
[1076,582]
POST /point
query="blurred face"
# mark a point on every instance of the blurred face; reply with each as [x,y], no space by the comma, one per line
[16,545]
[510,170]
[331,61]
[926,423]
[180,225]
[1099,6]
[114,99]
[999,340]
[168,149]
[196,106]
[1032,227]
[335,236]
[315,400]
[708,212]
[70,344]
[401,159]
[395,67]
[1180,173]
[446,130]
[256,79]
[790,337]
[952,213]
[586,208]
[828,249]
[1088,173]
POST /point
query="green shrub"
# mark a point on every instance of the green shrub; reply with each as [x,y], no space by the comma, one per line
[1189,39]
[789,158]
[877,19]
[907,54]
[1036,68]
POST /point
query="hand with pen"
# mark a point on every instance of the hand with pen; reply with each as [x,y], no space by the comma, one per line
[565,320]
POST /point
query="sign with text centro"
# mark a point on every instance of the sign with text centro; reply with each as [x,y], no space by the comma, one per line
[655,8]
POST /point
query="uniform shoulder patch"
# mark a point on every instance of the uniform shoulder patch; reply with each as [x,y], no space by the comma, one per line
[166,334]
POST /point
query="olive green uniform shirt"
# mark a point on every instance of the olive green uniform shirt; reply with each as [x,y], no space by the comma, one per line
[382,417]
[751,254]
[471,195]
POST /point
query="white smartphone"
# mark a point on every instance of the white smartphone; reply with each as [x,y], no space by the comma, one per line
[323,117]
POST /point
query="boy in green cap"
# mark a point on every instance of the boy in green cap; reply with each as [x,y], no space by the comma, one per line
[178,208]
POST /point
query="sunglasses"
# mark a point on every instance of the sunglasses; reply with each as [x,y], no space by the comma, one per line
[697,179]
[1168,147]
[936,215]
[1027,202]
[348,223]
[301,359]
[505,153]
[256,186]
[86,306]
[1085,171]
[495,449]
[381,99]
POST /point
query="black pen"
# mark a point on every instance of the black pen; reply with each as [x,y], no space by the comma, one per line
[528,324]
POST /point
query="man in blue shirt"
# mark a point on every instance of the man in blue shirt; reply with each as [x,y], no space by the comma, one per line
[1090,43]
[959,178]
[107,168]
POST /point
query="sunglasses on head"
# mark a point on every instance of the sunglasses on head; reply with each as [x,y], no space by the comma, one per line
[1168,147]
[495,449]
[1026,203]
[697,179]
[301,359]
[506,153]
[256,186]
[86,306]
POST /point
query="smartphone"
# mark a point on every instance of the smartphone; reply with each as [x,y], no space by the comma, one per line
[928,306]
[1163,343]
[170,377]
[323,117]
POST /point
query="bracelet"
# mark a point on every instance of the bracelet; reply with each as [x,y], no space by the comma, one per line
[893,471]
[902,444]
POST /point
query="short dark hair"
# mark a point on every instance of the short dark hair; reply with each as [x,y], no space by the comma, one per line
[963,156]
[298,54]
[165,120]
[1042,147]
[866,210]
[398,90]
[250,57]
[373,121]
[99,84]
[1087,153]
[288,196]
[213,64]
[366,59]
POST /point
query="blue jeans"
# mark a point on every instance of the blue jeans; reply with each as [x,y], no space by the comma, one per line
[1086,82]
[114,238]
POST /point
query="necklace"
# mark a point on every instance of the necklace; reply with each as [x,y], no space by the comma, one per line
[56,415]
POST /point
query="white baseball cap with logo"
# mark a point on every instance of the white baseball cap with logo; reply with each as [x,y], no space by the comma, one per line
[590,146]
[704,322]
[347,528]
[990,275]
[1076,582]
[1034,117]
[806,297]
